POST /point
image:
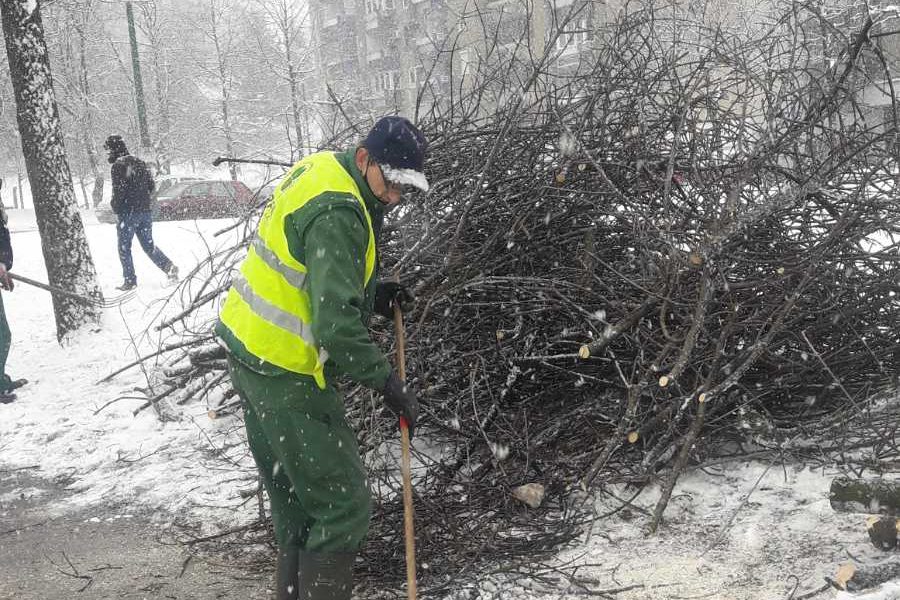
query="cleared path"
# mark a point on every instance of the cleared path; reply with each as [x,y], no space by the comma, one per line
[103,553]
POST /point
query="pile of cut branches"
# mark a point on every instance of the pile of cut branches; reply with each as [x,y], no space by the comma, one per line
[686,240]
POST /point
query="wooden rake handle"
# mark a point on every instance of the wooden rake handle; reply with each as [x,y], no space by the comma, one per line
[405,469]
[100,302]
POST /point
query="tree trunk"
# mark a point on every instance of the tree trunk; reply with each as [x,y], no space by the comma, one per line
[151,27]
[138,80]
[221,61]
[295,104]
[229,142]
[162,102]
[96,171]
[97,191]
[873,496]
[84,194]
[64,245]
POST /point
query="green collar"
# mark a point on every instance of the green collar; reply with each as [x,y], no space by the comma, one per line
[375,207]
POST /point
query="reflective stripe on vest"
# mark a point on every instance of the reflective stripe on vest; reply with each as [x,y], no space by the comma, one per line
[268,307]
[272,313]
[295,278]
[275,315]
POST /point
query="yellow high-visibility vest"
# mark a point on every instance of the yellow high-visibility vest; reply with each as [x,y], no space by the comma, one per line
[268,307]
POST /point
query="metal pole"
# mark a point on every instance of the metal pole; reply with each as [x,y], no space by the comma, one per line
[138,81]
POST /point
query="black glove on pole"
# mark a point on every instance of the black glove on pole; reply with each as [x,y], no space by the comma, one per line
[401,400]
[391,293]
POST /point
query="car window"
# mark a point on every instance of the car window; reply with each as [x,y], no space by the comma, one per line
[198,189]
[164,185]
[220,188]
[173,191]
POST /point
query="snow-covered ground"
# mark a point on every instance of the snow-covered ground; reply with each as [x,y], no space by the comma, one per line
[112,456]
[740,530]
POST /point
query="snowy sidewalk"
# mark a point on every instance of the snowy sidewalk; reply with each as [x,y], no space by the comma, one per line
[100,552]
[59,422]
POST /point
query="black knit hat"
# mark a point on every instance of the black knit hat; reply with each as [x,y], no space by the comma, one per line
[116,146]
[399,148]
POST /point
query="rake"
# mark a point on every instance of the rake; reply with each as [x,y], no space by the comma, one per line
[100,302]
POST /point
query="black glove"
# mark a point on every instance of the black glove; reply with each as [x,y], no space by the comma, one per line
[388,292]
[401,400]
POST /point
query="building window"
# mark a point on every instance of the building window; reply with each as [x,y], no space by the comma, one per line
[575,34]
[465,61]
[392,80]
[386,81]
[584,32]
[416,74]
[373,44]
[374,6]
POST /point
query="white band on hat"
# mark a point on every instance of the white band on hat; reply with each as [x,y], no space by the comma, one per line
[405,177]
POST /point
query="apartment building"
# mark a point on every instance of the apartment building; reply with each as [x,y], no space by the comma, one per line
[372,55]
[385,56]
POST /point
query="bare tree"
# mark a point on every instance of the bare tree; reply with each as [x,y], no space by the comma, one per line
[76,86]
[153,26]
[218,27]
[66,252]
[290,20]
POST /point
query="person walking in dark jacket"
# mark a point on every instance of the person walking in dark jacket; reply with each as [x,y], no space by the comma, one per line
[132,184]
[294,323]
[7,384]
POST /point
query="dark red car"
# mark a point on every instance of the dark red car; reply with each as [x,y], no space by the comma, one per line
[207,199]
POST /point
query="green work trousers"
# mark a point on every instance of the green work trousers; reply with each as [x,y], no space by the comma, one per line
[308,460]
[5,342]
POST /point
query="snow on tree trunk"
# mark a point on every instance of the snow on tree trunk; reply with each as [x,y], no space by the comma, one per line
[65,248]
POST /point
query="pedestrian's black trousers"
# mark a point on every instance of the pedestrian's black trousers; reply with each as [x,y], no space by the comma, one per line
[138,224]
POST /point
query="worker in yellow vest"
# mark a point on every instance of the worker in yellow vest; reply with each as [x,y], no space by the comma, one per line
[294,321]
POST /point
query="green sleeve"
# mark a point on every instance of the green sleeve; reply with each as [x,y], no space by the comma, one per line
[332,245]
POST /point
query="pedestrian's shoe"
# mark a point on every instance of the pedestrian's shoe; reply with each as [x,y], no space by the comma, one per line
[8,384]
[7,397]
[326,575]
[172,274]
[15,384]
[287,582]
[128,285]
